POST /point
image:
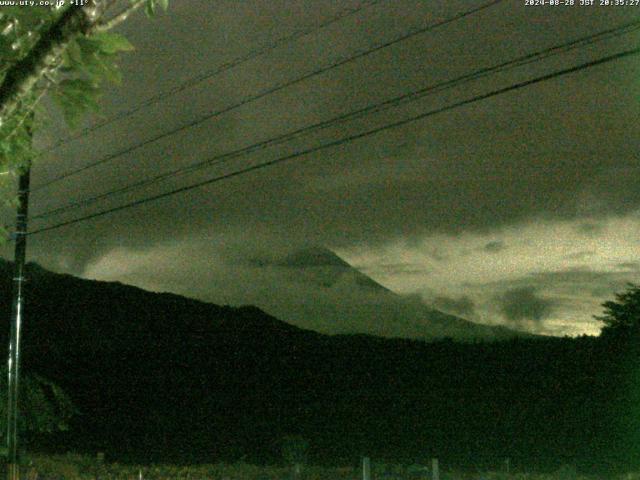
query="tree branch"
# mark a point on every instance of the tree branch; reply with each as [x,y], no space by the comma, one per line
[29,111]
[25,74]
[117,19]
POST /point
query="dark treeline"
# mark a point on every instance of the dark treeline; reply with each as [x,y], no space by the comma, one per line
[157,377]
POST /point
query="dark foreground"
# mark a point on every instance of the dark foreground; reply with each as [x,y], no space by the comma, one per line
[77,467]
[162,378]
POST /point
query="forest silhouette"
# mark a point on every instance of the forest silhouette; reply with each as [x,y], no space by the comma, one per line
[162,378]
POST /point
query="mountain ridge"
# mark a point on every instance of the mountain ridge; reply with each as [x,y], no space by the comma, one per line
[158,377]
[316,286]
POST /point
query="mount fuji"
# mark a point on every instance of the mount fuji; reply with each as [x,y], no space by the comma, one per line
[316,289]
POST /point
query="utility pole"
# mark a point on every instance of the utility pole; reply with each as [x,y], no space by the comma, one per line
[17,311]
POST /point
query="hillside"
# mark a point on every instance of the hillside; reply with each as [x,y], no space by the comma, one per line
[158,377]
[314,288]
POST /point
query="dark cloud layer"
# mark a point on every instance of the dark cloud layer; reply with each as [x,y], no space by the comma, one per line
[564,149]
[494,246]
[632,266]
[523,303]
[462,306]
[553,149]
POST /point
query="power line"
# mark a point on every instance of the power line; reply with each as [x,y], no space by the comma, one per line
[218,70]
[193,81]
[370,109]
[344,140]
[268,91]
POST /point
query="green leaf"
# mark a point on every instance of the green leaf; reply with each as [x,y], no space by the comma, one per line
[44,407]
[111,43]
[150,8]
[72,56]
[76,96]
[88,48]
[103,68]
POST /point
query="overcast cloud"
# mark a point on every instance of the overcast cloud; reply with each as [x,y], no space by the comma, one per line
[519,208]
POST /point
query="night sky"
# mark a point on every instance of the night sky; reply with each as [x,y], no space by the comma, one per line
[522,209]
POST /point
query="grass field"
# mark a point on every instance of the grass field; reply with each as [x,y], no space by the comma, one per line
[76,467]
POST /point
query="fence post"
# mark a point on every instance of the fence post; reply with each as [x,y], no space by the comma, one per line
[366,468]
[435,471]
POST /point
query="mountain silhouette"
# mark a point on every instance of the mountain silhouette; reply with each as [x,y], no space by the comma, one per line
[316,289]
[157,377]
[325,268]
